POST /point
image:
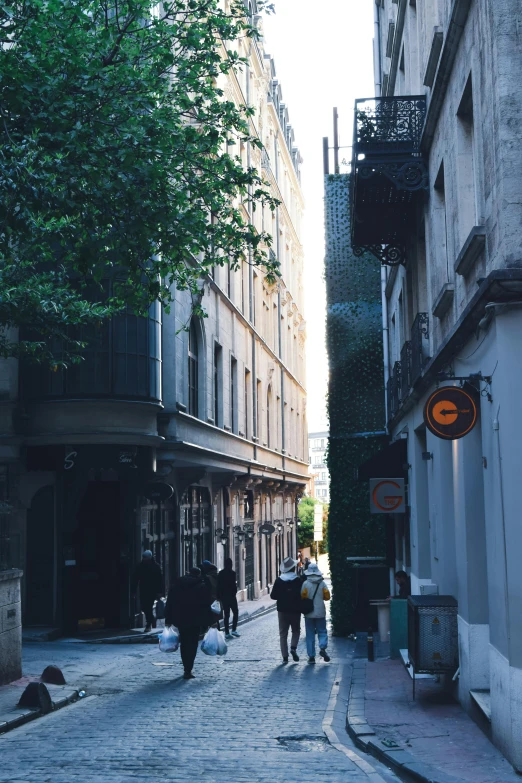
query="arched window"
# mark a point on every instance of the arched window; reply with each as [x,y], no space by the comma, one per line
[193,370]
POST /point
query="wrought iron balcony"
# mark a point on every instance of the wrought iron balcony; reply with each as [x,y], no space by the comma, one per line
[392,389]
[419,345]
[405,379]
[388,174]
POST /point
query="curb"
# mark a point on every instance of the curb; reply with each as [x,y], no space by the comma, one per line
[365,738]
[152,637]
[26,716]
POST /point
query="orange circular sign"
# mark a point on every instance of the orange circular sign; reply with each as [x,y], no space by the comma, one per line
[450,413]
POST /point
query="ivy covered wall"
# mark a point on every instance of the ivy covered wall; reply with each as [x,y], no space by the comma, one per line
[355,397]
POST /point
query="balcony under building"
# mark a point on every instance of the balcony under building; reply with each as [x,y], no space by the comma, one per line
[389,175]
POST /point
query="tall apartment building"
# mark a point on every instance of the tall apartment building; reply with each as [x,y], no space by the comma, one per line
[317,444]
[440,147]
[190,442]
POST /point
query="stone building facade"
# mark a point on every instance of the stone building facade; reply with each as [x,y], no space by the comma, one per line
[317,444]
[442,140]
[180,434]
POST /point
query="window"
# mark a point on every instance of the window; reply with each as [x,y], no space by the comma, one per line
[218,385]
[258,409]
[466,164]
[193,370]
[268,413]
[247,405]
[233,394]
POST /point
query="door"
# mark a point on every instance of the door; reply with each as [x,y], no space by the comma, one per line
[97,600]
[249,568]
[39,581]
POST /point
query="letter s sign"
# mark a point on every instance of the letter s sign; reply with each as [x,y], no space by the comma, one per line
[69,460]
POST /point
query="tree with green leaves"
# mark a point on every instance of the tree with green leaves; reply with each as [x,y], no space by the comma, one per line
[117,173]
[305,514]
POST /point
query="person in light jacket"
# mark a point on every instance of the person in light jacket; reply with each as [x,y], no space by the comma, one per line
[287,592]
[315,622]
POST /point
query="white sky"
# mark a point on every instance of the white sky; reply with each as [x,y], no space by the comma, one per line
[324,58]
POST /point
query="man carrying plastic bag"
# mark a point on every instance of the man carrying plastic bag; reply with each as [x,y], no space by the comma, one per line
[214,643]
[188,608]
[169,639]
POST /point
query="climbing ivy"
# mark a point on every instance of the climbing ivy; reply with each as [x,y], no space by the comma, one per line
[355,397]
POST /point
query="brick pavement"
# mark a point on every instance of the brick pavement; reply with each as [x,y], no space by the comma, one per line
[244,718]
[434,729]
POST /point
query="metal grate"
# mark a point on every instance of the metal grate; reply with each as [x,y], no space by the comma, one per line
[433,633]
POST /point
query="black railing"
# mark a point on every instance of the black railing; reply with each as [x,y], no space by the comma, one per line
[419,345]
[392,389]
[405,377]
[387,169]
[391,125]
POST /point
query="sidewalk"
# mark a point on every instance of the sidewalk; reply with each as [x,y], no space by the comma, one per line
[431,738]
[11,715]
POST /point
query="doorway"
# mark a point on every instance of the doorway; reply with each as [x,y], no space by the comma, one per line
[97,549]
[39,582]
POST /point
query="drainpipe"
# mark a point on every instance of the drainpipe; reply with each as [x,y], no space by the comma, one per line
[377,57]
[385,340]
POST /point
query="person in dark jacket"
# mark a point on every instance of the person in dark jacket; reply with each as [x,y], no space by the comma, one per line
[149,579]
[227,589]
[403,581]
[287,592]
[188,608]
[211,574]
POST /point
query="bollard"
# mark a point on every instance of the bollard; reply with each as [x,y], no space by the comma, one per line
[371,656]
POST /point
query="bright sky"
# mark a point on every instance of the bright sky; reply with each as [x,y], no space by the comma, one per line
[324,58]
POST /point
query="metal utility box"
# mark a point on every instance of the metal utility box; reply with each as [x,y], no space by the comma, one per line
[433,634]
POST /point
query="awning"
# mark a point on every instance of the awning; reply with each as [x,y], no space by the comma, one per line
[389,462]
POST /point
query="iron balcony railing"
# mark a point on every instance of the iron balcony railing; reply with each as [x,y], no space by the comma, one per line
[419,345]
[388,174]
[392,388]
[405,376]
[391,125]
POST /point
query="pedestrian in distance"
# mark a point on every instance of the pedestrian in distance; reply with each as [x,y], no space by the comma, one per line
[227,589]
[315,621]
[149,579]
[188,608]
[287,592]
[211,574]
[403,581]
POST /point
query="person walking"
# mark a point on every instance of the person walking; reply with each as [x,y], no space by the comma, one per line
[188,608]
[315,621]
[211,575]
[287,592]
[149,579]
[227,589]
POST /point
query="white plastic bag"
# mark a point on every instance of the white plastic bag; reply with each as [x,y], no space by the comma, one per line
[215,607]
[169,639]
[214,643]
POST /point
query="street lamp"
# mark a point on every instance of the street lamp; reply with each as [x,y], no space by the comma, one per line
[290,523]
[240,533]
[187,538]
[222,535]
[279,526]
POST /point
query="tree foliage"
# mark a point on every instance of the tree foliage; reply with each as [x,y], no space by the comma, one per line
[118,160]
[305,513]
[355,398]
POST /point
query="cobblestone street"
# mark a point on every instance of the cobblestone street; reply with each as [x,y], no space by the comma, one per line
[244,718]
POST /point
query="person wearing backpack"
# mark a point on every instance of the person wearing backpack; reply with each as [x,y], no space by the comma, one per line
[314,589]
[287,592]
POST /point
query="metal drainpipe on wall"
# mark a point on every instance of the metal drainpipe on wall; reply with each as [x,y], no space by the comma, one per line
[385,342]
[251,302]
[377,64]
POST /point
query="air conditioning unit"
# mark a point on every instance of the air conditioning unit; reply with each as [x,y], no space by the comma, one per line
[429,589]
[433,633]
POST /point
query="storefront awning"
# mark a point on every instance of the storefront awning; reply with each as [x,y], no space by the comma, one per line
[389,462]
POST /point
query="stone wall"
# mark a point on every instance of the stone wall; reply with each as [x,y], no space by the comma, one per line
[10,626]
